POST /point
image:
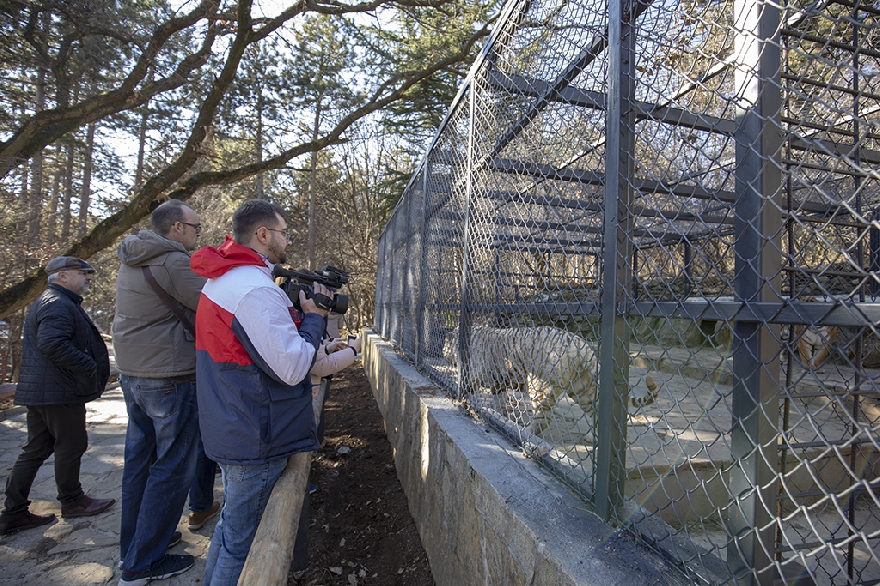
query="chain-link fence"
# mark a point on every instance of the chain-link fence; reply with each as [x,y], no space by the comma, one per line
[645,245]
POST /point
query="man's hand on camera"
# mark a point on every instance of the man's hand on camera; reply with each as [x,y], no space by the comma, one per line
[309,305]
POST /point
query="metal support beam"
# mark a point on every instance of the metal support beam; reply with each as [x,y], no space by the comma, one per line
[755,409]
[407,266]
[422,318]
[464,321]
[613,392]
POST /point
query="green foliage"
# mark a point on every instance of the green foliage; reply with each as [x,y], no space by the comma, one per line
[419,35]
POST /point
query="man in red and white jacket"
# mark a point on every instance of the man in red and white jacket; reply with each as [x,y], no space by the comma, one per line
[254,395]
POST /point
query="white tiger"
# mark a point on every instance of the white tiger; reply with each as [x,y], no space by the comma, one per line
[546,362]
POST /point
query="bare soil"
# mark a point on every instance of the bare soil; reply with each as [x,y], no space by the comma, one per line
[360,532]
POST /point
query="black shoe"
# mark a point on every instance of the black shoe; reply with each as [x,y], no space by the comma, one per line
[26,521]
[175,539]
[87,507]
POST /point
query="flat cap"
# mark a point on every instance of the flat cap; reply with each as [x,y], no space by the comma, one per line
[68,263]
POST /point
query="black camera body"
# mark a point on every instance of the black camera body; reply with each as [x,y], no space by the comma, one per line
[295,281]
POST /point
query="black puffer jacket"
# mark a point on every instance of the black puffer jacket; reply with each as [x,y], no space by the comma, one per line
[64,359]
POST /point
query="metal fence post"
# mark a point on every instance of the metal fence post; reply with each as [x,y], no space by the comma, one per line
[378,308]
[610,473]
[406,302]
[421,330]
[464,321]
[755,408]
[389,285]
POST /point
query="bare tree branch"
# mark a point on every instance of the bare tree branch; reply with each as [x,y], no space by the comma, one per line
[20,294]
[380,98]
[162,185]
[49,125]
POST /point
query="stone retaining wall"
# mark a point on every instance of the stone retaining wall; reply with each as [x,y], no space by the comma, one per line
[486,514]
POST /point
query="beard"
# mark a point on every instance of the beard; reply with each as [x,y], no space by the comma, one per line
[277,254]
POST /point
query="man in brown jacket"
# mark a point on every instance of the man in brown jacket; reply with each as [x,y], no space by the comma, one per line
[156,297]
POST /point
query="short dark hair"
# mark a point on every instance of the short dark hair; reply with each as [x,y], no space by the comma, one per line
[251,215]
[166,215]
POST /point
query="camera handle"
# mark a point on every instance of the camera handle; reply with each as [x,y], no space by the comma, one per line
[322,301]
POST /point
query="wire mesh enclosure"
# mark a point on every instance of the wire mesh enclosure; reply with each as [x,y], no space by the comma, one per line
[645,245]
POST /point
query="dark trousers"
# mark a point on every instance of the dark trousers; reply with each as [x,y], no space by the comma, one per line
[325,382]
[201,493]
[301,545]
[58,429]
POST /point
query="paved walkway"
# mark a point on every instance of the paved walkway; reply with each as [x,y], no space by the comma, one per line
[84,550]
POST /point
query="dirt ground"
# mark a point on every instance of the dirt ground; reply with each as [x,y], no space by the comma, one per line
[360,532]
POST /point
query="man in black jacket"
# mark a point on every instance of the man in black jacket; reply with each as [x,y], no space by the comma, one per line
[64,366]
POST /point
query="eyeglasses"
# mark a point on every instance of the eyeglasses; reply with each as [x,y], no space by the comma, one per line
[284,233]
[198,227]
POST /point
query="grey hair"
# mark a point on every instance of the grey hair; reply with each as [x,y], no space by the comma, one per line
[166,215]
[53,278]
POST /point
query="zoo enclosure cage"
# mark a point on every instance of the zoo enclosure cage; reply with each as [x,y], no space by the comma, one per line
[644,244]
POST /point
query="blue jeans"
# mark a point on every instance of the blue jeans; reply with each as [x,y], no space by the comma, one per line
[247,489]
[160,456]
[201,493]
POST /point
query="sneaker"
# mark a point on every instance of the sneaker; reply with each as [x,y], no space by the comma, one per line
[168,566]
[197,520]
[175,539]
[313,488]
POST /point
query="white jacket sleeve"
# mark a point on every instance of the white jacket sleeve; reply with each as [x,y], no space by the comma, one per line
[327,364]
[266,321]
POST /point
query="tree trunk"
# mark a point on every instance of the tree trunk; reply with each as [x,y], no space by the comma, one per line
[23,198]
[313,198]
[52,220]
[85,198]
[35,199]
[16,327]
[142,146]
[258,141]
[67,196]
[35,202]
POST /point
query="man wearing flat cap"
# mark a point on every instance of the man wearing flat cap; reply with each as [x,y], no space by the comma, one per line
[64,366]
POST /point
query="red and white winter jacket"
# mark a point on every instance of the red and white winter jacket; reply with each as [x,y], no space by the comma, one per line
[252,364]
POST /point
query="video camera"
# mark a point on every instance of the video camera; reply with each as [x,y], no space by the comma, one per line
[329,276]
